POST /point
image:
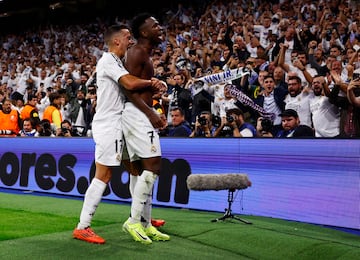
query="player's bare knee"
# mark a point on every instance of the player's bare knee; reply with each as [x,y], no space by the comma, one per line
[152,164]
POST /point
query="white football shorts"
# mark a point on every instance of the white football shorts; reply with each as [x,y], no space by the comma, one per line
[108,145]
[142,139]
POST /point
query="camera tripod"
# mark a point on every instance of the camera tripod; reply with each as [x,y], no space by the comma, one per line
[228,213]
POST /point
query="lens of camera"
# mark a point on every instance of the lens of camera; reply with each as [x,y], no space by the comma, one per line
[216,120]
[202,120]
[230,119]
[266,125]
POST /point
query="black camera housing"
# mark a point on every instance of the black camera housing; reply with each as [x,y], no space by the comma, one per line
[216,120]
[356,76]
[64,130]
[328,35]
[266,125]
[230,119]
[202,120]
[44,128]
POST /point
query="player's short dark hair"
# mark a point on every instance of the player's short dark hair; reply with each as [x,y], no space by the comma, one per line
[112,30]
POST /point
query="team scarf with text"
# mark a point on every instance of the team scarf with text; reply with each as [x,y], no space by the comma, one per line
[227,76]
[245,100]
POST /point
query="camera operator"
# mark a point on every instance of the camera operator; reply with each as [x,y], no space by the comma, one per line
[264,127]
[203,126]
[44,128]
[66,129]
[237,127]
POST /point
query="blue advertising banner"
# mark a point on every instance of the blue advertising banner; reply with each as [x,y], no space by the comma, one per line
[308,180]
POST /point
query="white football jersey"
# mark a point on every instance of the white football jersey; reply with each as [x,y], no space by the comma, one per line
[110,97]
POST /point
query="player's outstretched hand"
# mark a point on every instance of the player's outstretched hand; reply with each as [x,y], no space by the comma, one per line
[158,85]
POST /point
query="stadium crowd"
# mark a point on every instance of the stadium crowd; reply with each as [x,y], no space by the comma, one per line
[297,65]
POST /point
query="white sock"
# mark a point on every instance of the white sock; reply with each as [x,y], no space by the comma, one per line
[92,199]
[133,180]
[142,191]
[147,211]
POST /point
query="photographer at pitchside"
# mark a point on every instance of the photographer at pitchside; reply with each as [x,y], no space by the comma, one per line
[234,125]
[203,125]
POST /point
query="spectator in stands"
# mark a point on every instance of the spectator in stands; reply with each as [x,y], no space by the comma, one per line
[354,99]
[202,101]
[65,106]
[292,127]
[44,79]
[179,127]
[223,104]
[70,85]
[180,96]
[330,40]
[318,60]
[43,101]
[336,68]
[325,116]
[18,104]
[217,61]
[12,82]
[349,53]
[239,48]
[24,71]
[349,113]
[252,42]
[251,79]
[264,30]
[258,85]
[298,99]
[272,100]
[2,98]
[292,42]
[306,35]
[337,51]
[91,107]
[299,64]
[78,109]
[279,78]
[235,42]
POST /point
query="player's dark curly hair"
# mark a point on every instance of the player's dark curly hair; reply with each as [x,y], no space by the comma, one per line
[137,22]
